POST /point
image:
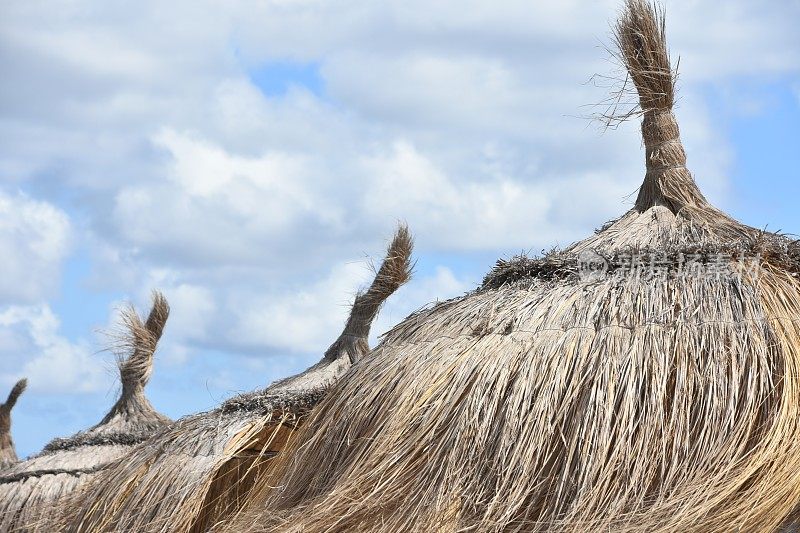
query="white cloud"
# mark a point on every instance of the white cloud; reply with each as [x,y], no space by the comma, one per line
[34,240]
[458,118]
[219,207]
[309,319]
[145,123]
[192,307]
[737,38]
[452,212]
[301,319]
[32,347]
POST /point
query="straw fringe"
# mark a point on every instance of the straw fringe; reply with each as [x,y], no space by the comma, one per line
[199,471]
[667,407]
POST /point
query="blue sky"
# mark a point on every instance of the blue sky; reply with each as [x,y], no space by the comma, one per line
[277,78]
[250,161]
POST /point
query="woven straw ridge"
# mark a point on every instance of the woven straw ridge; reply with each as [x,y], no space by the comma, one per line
[31,490]
[8,455]
[196,472]
[548,401]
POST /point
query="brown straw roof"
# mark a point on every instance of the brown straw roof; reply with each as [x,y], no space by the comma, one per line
[8,456]
[30,489]
[644,379]
[197,472]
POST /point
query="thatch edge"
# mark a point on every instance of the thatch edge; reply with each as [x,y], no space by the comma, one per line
[766,248]
[98,439]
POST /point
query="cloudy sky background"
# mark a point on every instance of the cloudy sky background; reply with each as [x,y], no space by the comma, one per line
[248,158]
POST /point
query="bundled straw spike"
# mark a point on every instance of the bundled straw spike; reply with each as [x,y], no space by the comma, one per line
[14,395]
[135,371]
[658,394]
[8,455]
[393,273]
[640,35]
[139,341]
[352,344]
[199,471]
[641,40]
[31,491]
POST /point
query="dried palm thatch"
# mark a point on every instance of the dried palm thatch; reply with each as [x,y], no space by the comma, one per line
[8,456]
[30,490]
[644,379]
[197,471]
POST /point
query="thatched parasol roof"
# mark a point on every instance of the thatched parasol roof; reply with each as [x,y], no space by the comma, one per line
[197,471]
[29,490]
[8,456]
[644,379]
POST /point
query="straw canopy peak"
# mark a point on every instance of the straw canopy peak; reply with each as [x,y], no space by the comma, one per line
[142,339]
[640,37]
[135,369]
[353,343]
[670,216]
[392,274]
[7,453]
[32,491]
[133,418]
[13,396]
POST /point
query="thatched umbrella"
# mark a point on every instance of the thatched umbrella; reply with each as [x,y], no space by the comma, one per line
[197,471]
[30,490]
[8,456]
[642,380]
